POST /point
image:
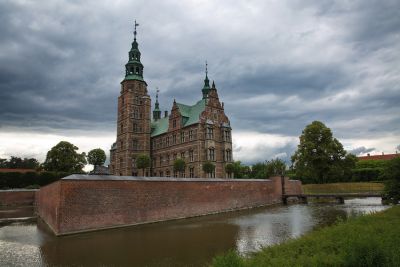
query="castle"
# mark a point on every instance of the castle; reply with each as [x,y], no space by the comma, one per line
[195,133]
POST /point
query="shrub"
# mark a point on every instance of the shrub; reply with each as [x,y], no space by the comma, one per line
[230,259]
[367,174]
[22,180]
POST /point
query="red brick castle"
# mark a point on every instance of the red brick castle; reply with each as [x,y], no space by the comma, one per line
[195,133]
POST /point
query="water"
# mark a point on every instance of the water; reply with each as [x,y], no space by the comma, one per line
[188,242]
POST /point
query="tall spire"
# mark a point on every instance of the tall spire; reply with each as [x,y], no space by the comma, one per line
[134,32]
[206,87]
[134,68]
[157,111]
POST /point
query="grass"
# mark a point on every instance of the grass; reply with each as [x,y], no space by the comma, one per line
[362,187]
[368,240]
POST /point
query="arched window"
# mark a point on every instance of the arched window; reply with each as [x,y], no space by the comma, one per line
[228,156]
[211,154]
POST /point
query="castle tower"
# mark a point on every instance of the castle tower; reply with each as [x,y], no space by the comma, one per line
[134,111]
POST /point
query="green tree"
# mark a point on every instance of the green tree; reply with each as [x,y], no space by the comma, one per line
[64,157]
[143,162]
[96,157]
[179,166]
[258,171]
[19,163]
[392,186]
[208,167]
[275,167]
[240,170]
[229,169]
[320,158]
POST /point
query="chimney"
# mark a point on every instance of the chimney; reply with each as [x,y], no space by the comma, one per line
[368,154]
[166,113]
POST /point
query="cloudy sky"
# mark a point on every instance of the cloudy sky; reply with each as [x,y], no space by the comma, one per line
[278,65]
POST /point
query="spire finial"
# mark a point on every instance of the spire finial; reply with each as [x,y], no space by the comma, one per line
[157,94]
[206,68]
[134,32]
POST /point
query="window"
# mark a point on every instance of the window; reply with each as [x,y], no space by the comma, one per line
[122,144]
[174,123]
[182,137]
[191,172]
[175,174]
[228,155]
[191,156]
[167,173]
[135,113]
[135,128]
[190,135]
[134,163]
[210,133]
[135,145]
[161,174]
[121,128]
[174,156]
[161,159]
[121,163]
[227,135]
[182,155]
[167,141]
[174,139]
[168,158]
[212,175]
[211,154]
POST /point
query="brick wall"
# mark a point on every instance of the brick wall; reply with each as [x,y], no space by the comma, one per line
[78,204]
[17,197]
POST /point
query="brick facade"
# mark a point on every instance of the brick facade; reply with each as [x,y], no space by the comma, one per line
[83,203]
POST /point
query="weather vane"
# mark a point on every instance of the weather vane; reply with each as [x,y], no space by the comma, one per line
[134,32]
[157,92]
[206,68]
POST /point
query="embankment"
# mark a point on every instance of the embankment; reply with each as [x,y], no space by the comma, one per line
[369,240]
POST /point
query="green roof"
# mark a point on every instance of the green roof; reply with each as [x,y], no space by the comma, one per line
[133,77]
[190,115]
[160,126]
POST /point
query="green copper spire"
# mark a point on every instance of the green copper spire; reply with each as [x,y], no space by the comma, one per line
[134,68]
[206,87]
[157,111]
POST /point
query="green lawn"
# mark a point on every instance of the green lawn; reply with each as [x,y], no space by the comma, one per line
[343,188]
[369,240]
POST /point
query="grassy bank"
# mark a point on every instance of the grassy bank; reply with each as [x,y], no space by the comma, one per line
[370,240]
[343,188]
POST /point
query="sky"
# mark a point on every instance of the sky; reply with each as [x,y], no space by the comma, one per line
[277,65]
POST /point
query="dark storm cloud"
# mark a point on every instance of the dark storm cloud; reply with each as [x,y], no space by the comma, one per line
[361,150]
[278,65]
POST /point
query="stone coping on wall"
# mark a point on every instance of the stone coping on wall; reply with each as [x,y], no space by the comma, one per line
[153,179]
[18,190]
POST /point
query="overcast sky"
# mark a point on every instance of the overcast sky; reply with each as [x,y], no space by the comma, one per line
[277,65]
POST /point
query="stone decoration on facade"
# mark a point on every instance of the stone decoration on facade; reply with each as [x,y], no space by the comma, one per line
[195,133]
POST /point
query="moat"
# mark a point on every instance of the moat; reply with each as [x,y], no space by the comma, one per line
[188,242]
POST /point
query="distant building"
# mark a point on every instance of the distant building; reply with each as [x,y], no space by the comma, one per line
[379,157]
[100,170]
[195,133]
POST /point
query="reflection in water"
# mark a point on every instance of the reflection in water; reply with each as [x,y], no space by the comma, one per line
[190,242]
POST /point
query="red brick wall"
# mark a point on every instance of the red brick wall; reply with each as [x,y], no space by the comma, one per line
[81,205]
[17,197]
[48,204]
